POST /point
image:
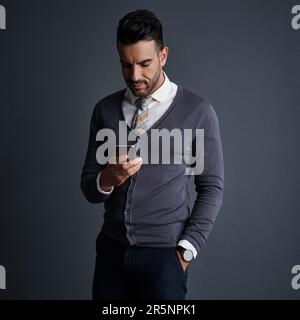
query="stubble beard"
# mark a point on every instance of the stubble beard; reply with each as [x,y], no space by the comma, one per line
[149,87]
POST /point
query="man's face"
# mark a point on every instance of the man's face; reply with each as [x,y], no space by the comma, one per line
[142,64]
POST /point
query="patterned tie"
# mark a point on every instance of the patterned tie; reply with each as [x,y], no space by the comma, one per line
[139,121]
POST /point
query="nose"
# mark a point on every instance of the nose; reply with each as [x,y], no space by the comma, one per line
[135,73]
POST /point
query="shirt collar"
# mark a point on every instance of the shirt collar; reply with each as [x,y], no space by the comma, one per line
[160,95]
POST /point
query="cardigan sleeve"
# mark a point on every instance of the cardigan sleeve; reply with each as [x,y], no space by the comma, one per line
[91,167]
[209,184]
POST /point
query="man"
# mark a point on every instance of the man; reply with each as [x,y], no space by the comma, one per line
[149,236]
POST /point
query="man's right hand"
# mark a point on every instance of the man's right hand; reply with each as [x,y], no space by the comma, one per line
[115,174]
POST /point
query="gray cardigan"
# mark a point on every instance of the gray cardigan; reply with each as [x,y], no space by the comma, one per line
[151,207]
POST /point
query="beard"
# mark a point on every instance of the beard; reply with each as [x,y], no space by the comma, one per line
[148,86]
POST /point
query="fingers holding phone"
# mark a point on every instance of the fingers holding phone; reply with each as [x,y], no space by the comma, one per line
[120,168]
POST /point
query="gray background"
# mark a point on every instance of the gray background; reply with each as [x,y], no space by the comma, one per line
[58,58]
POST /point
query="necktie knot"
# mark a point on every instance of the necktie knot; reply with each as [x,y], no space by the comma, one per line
[142,102]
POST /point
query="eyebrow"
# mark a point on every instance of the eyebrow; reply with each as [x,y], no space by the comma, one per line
[144,61]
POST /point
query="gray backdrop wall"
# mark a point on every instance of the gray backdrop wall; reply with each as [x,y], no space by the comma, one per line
[58,58]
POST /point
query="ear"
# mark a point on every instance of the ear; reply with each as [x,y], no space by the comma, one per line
[163,55]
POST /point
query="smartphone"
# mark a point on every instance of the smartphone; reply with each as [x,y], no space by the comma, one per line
[130,150]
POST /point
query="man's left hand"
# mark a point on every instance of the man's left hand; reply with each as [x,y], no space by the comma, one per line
[184,263]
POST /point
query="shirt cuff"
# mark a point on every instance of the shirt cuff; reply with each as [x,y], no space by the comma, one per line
[99,188]
[187,245]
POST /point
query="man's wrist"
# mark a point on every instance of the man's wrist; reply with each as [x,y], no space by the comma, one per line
[186,254]
[102,187]
[187,245]
[105,184]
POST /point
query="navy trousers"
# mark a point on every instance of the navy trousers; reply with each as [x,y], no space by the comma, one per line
[137,273]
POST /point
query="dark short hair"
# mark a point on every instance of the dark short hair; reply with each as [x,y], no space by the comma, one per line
[140,25]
